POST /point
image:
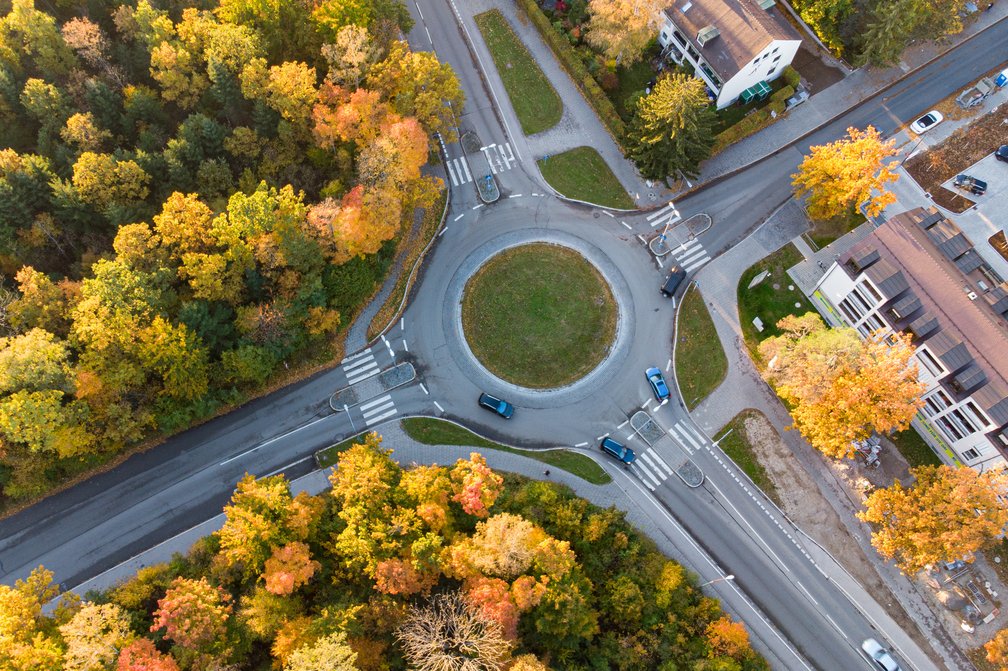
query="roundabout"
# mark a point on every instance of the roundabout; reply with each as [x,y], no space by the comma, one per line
[539,315]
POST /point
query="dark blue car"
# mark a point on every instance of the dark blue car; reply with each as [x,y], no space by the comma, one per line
[618,450]
[494,404]
[657,382]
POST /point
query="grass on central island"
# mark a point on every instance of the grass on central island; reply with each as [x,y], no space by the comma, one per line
[581,173]
[431,431]
[539,316]
[700,361]
[535,101]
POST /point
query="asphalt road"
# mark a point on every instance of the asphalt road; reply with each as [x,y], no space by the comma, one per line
[98,523]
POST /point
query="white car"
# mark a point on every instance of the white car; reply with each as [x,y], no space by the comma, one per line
[927,122]
[883,660]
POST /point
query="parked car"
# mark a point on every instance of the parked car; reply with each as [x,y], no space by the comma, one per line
[969,183]
[673,280]
[879,655]
[494,404]
[1002,153]
[927,122]
[657,382]
[618,450]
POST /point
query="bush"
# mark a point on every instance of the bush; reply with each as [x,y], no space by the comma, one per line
[756,121]
[791,77]
[576,68]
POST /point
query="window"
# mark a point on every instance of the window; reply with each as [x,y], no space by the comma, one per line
[929,362]
[848,309]
[962,422]
[936,402]
[971,409]
[970,454]
[775,50]
[951,430]
[679,38]
[771,71]
[776,58]
[664,36]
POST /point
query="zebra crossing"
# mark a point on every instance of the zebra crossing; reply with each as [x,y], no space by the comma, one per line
[687,437]
[379,409]
[666,215]
[690,255]
[499,158]
[651,469]
[360,366]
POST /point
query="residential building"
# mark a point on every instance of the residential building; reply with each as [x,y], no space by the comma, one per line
[732,44]
[918,274]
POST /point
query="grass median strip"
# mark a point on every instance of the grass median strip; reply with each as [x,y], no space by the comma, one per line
[431,431]
[581,173]
[700,361]
[534,99]
[738,446]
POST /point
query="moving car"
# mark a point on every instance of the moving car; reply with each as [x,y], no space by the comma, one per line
[494,404]
[969,183]
[927,122]
[1002,153]
[883,660]
[673,281]
[657,382]
[618,450]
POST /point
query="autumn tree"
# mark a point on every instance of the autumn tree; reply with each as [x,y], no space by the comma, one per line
[28,640]
[329,653]
[141,655]
[947,513]
[727,638]
[997,650]
[850,172]
[94,637]
[194,614]
[103,181]
[623,28]
[290,567]
[672,129]
[350,56]
[448,634]
[842,388]
[476,485]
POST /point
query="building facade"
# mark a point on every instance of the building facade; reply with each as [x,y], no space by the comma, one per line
[919,274]
[731,44]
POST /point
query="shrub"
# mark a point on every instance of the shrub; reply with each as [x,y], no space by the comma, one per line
[608,80]
[756,121]
[791,77]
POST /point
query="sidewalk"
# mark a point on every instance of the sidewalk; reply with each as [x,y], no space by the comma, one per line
[824,105]
[744,388]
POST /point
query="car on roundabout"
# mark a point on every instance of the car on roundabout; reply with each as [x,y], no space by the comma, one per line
[496,405]
[657,382]
[618,451]
[879,656]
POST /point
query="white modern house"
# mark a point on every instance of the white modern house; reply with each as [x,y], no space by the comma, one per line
[733,45]
[919,274]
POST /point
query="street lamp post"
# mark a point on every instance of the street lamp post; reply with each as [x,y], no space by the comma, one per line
[346,409]
[725,578]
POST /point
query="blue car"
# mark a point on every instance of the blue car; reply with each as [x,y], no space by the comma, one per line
[618,450]
[494,404]
[657,382]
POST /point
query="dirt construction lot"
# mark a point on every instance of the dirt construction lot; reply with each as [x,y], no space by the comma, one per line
[962,149]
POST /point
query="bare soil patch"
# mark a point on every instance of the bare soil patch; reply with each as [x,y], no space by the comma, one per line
[960,150]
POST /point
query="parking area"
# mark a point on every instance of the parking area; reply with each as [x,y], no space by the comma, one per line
[994,173]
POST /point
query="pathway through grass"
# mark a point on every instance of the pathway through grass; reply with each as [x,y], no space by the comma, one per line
[534,99]
[581,173]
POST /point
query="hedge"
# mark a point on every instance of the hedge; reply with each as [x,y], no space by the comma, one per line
[572,63]
[756,121]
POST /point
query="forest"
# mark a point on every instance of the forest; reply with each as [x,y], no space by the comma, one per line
[192,196]
[451,568]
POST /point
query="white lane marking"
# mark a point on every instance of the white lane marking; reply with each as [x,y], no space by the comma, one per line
[373,403]
[476,207]
[646,471]
[402,323]
[459,217]
[641,238]
[535,195]
[426,393]
[349,367]
[515,195]
[755,535]
[657,213]
[418,10]
[631,436]
[604,435]
[668,365]
[661,462]
[404,345]
[609,214]
[356,356]
[442,231]
[438,406]
[370,414]
[646,404]
[511,159]
[286,466]
[429,38]
[626,225]
[585,444]
[273,440]
[660,263]
[625,422]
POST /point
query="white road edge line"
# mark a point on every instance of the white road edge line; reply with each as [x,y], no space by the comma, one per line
[286,466]
[273,440]
[610,214]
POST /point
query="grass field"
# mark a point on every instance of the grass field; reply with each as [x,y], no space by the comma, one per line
[328,456]
[737,446]
[437,432]
[825,232]
[534,99]
[539,316]
[766,302]
[581,173]
[914,449]
[700,361]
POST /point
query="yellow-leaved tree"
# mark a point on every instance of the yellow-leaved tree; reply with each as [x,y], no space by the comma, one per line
[846,173]
[623,28]
[997,650]
[948,513]
[841,388]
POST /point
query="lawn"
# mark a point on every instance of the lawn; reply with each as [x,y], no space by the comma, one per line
[632,80]
[439,432]
[825,232]
[914,449]
[581,173]
[771,299]
[737,446]
[700,360]
[534,99]
[328,456]
[539,316]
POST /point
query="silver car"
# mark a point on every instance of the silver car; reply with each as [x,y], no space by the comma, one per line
[883,660]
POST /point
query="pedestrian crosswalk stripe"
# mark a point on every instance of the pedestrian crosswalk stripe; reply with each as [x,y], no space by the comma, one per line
[642,471]
[366,407]
[657,462]
[686,437]
[358,355]
[379,418]
[451,173]
[691,255]
[663,211]
[465,169]
[364,373]
[349,367]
